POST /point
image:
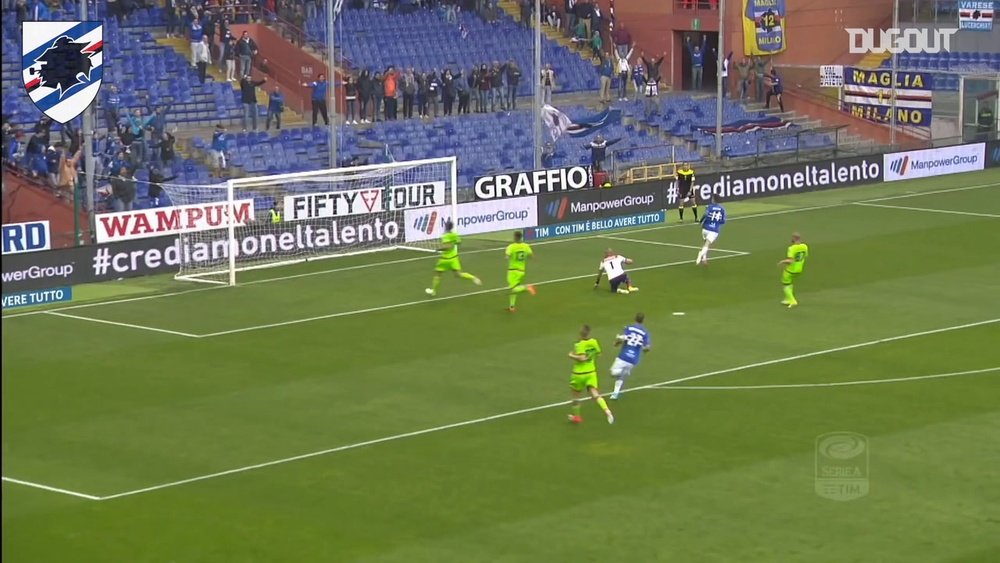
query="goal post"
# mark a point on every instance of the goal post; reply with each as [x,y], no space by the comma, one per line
[304,216]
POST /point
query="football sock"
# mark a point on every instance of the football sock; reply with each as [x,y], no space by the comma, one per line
[619,383]
[436,283]
[519,289]
[681,210]
[466,276]
[603,404]
[575,409]
[695,211]
[703,253]
[788,294]
[513,299]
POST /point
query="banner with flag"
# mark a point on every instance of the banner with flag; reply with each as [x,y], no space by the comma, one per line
[559,124]
[975,15]
[748,125]
[764,26]
[868,94]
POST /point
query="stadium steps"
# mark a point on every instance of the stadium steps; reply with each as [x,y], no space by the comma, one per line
[512,9]
[290,118]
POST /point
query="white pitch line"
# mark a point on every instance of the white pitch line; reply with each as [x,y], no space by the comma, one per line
[659,243]
[50,489]
[434,300]
[125,325]
[417,258]
[668,387]
[475,421]
[926,210]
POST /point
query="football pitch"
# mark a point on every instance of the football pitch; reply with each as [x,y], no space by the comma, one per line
[330,411]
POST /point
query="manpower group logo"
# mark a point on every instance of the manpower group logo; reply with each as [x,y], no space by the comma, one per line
[426,222]
[472,218]
[598,203]
[557,209]
[934,162]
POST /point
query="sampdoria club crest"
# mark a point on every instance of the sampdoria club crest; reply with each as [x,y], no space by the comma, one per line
[62,65]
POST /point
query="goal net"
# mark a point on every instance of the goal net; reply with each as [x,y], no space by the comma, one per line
[292,218]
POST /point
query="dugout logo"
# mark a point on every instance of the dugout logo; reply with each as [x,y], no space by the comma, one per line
[842,466]
[600,203]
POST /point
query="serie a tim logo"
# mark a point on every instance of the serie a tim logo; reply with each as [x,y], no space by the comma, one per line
[842,466]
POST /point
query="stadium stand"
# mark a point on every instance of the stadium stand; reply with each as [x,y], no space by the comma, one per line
[951,63]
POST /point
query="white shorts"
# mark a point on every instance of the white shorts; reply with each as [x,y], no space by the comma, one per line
[621,368]
[710,236]
[652,90]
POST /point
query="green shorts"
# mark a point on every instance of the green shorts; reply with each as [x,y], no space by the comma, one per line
[448,265]
[514,278]
[579,382]
[788,278]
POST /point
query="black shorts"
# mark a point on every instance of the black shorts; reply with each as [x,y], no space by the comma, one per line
[684,194]
[615,282]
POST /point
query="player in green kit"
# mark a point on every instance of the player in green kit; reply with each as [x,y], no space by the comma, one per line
[584,378]
[448,261]
[798,251]
[517,254]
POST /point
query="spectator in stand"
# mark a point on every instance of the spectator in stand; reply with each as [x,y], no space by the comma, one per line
[224,33]
[434,92]
[622,67]
[451,11]
[246,50]
[112,107]
[579,33]
[378,96]
[760,76]
[319,91]
[550,17]
[195,34]
[569,10]
[275,105]
[527,9]
[311,11]
[229,58]
[548,83]
[218,148]
[724,75]
[448,91]
[496,87]
[652,89]
[775,88]
[68,172]
[156,181]
[171,8]
[462,89]
[596,45]
[599,151]
[137,126]
[52,157]
[209,23]
[484,87]
[159,123]
[409,93]
[639,77]
[44,128]
[744,69]
[513,79]
[622,40]
[351,100]
[166,149]
[697,60]
[606,72]
[364,93]
[390,89]
[585,13]
[248,95]
[203,58]
[127,138]
[123,190]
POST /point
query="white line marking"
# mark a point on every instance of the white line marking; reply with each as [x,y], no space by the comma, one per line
[659,243]
[125,325]
[50,489]
[932,192]
[667,387]
[434,300]
[555,241]
[434,429]
[924,209]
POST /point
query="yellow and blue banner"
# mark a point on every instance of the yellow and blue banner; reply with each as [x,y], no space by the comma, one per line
[868,95]
[764,26]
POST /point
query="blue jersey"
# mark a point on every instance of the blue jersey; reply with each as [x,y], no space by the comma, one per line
[636,338]
[714,218]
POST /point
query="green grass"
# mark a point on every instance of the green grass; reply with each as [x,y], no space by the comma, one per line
[685,474]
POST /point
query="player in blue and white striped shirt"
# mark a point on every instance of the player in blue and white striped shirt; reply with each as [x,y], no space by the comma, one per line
[634,340]
[711,226]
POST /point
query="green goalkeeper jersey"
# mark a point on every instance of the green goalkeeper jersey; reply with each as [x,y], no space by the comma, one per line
[517,256]
[591,348]
[450,238]
[798,254]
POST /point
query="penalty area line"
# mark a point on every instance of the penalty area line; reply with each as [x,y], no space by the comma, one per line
[48,488]
[927,210]
[434,429]
[669,387]
[673,244]
[123,325]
